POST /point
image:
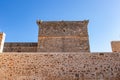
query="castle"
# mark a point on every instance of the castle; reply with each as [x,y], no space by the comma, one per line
[61,53]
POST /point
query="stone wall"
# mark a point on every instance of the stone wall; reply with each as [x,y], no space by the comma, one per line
[20,47]
[63,36]
[2,39]
[60,66]
[115,46]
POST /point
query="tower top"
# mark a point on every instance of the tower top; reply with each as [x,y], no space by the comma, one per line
[63,36]
[39,22]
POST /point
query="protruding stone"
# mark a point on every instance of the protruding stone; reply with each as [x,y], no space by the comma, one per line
[39,22]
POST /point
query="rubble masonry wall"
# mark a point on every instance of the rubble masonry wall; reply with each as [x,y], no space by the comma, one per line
[60,66]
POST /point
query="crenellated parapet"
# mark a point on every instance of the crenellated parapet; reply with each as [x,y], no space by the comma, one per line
[115,46]
[63,36]
[61,53]
[2,39]
[20,47]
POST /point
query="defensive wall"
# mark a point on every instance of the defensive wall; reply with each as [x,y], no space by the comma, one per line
[61,53]
[60,66]
[55,36]
[20,47]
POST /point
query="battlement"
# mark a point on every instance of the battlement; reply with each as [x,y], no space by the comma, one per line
[63,36]
[2,39]
[62,28]
[115,46]
[61,53]
[20,47]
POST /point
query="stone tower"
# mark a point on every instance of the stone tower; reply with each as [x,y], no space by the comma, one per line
[63,36]
[2,39]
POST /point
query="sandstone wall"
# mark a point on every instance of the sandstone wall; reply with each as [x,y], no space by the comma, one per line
[60,66]
[2,39]
[20,47]
[63,36]
[115,46]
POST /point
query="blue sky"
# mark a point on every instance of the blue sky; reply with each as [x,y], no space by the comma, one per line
[18,19]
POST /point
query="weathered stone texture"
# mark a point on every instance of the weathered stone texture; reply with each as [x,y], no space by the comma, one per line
[2,39]
[62,53]
[63,36]
[63,44]
[57,66]
[20,47]
[63,28]
[115,46]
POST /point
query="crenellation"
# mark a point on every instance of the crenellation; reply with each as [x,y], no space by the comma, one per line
[20,47]
[63,28]
[2,39]
[61,53]
[115,46]
[61,36]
